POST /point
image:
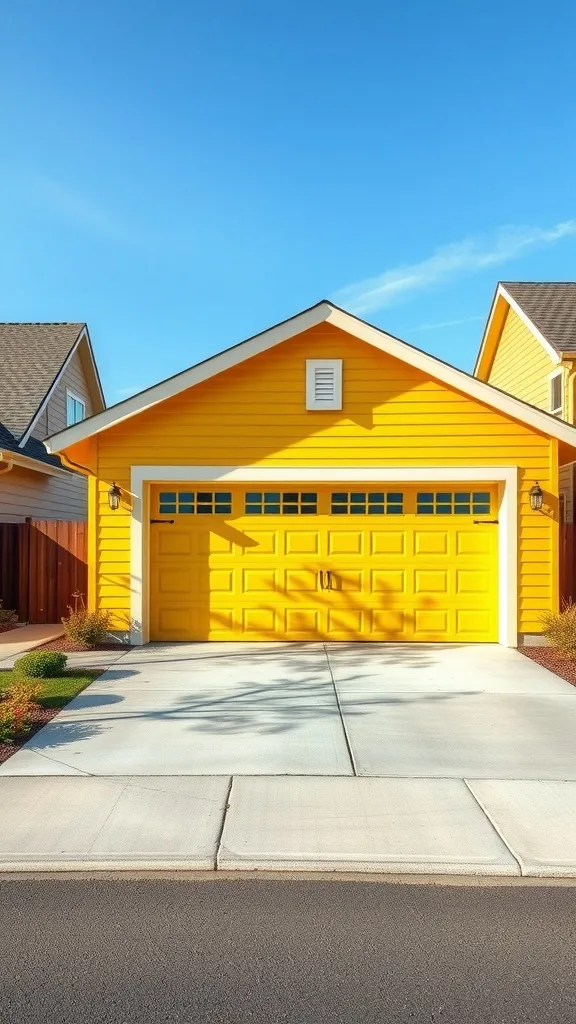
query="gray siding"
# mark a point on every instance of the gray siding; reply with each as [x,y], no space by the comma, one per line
[53,418]
[24,492]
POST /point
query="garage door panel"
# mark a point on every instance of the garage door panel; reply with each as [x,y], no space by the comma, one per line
[408,576]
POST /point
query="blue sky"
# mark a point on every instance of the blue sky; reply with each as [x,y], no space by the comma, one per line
[182,175]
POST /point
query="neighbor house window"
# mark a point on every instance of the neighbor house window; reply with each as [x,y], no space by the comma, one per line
[75,409]
[556,389]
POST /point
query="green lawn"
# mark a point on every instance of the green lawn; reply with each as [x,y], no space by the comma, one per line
[58,691]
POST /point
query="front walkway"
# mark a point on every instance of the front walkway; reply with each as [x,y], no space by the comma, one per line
[16,642]
[390,758]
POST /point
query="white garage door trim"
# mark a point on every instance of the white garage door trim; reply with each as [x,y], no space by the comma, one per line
[506,478]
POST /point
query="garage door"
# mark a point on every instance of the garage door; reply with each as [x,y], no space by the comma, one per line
[414,563]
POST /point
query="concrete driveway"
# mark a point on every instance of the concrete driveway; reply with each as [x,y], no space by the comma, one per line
[409,711]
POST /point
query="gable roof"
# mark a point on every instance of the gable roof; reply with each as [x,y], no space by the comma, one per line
[322,312]
[551,307]
[31,356]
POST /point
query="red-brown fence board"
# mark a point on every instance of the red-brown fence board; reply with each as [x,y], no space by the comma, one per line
[42,564]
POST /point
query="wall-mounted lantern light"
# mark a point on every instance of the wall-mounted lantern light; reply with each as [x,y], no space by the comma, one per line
[114,495]
[536,497]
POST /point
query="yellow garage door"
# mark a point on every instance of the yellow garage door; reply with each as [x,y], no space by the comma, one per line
[414,563]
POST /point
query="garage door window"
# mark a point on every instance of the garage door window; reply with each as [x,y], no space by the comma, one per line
[372,503]
[276,503]
[453,503]
[195,503]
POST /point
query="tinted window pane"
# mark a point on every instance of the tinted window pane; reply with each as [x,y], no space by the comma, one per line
[186,496]
[271,510]
[291,497]
[443,498]
[166,509]
[462,499]
[356,498]
[394,510]
[461,510]
[425,497]
[186,509]
[481,510]
[482,496]
[204,496]
[253,510]
[425,510]
[376,510]
[168,496]
[309,497]
[339,499]
[357,510]
[291,510]
[339,510]
[253,496]
[309,510]
[396,498]
[377,498]
[443,510]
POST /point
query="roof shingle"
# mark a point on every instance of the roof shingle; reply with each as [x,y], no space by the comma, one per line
[31,356]
[551,306]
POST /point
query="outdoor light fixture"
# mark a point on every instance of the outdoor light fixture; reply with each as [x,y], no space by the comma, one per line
[114,495]
[536,497]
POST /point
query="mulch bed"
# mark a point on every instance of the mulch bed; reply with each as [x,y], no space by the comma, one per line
[5,627]
[548,658]
[40,717]
[69,647]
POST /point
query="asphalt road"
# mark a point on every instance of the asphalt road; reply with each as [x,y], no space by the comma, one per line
[162,950]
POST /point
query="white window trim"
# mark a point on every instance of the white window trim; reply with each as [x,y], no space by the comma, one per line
[76,398]
[312,402]
[506,478]
[560,410]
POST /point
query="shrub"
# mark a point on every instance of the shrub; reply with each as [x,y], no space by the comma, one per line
[41,664]
[7,616]
[17,709]
[560,630]
[86,628]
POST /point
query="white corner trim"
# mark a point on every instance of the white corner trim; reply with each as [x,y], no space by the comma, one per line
[550,351]
[505,477]
[324,312]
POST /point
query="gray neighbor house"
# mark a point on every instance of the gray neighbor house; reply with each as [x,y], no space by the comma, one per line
[48,380]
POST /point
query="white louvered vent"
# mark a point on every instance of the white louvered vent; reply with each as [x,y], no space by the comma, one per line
[323,383]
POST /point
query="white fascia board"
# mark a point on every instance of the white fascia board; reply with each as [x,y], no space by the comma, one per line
[34,464]
[188,378]
[450,375]
[83,336]
[550,351]
[323,312]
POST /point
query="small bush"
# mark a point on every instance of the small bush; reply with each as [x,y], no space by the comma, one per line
[7,616]
[41,664]
[560,630]
[86,628]
[17,709]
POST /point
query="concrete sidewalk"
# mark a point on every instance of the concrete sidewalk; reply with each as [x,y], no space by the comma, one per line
[25,638]
[387,825]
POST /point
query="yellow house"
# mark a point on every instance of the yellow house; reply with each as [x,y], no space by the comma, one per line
[322,480]
[529,349]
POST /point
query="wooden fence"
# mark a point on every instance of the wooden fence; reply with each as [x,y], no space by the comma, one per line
[42,564]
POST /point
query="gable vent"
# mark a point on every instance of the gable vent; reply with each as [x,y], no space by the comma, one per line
[323,383]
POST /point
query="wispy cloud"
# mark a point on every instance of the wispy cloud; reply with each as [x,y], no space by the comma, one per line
[75,206]
[448,323]
[448,262]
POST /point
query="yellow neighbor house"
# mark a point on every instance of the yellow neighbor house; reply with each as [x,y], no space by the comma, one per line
[322,480]
[529,350]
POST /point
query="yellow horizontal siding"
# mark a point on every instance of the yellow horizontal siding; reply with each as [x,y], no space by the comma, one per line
[521,365]
[393,416]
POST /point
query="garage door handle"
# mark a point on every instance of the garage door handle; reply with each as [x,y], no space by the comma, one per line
[329,579]
[478,522]
[166,521]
